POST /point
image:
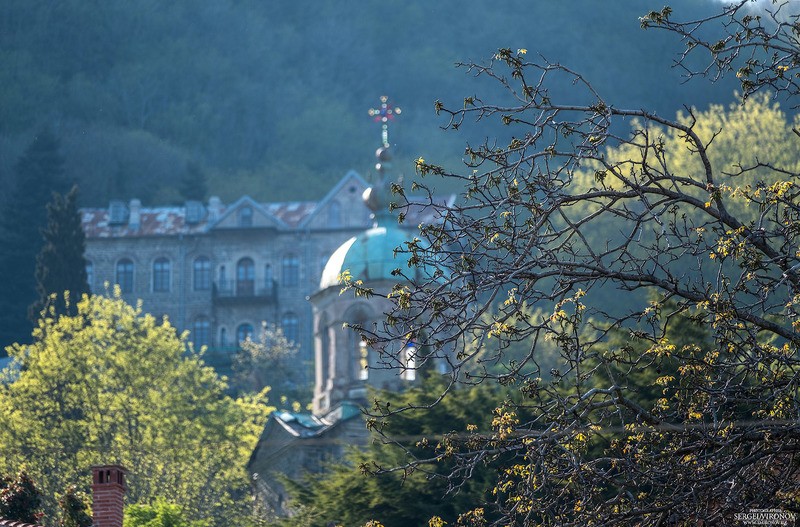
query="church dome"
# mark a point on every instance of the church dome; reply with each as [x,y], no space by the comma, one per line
[371,255]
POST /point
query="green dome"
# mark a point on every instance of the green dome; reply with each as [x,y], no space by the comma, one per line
[369,256]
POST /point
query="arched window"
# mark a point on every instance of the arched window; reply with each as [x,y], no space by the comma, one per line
[245,217]
[201,332]
[356,348]
[334,214]
[290,270]
[242,332]
[363,360]
[409,359]
[202,274]
[90,274]
[291,327]
[124,276]
[245,277]
[161,271]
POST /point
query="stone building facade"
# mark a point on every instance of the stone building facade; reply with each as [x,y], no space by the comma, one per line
[346,367]
[219,270]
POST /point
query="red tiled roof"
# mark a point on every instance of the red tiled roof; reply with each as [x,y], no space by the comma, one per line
[153,222]
[292,213]
[166,221]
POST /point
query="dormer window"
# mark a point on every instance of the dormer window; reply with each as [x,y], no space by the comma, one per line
[245,217]
[194,212]
[117,213]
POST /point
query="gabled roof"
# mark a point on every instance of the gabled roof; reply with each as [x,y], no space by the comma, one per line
[247,201]
[172,220]
[351,177]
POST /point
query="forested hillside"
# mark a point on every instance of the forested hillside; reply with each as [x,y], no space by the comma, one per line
[271,98]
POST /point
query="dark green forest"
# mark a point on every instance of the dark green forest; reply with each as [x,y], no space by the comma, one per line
[270,98]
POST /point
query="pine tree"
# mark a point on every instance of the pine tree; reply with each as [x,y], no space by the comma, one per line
[60,265]
[38,174]
[193,185]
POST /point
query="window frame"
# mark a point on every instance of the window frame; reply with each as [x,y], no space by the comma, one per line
[290,270]
[245,277]
[162,275]
[127,272]
[201,273]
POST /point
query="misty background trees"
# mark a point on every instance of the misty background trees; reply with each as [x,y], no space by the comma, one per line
[271,99]
[38,174]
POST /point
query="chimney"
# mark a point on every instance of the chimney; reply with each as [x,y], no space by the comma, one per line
[135,214]
[214,208]
[108,492]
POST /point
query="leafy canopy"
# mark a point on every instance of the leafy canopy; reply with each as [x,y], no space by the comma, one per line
[111,384]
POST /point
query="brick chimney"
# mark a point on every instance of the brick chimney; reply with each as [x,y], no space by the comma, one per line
[108,492]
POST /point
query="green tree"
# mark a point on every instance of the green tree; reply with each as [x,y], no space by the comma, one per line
[60,265]
[692,223]
[38,174]
[194,183]
[74,509]
[20,499]
[111,384]
[160,514]
[347,493]
[270,362]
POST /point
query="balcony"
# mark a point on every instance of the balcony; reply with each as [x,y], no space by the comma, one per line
[244,292]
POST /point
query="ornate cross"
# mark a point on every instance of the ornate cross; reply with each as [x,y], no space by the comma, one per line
[383,115]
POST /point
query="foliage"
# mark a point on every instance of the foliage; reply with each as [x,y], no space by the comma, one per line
[111,384]
[160,514]
[60,265]
[270,362]
[244,87]
[38,173]
[690,223]
[20,499]
[346,495]
[74,507]
[193,185]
